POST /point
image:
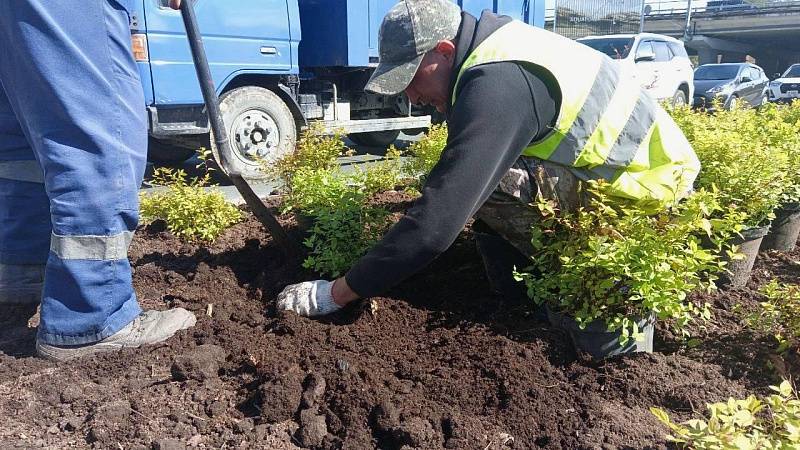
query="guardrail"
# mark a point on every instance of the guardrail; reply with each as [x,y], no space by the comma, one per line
[656,8]
[720,7]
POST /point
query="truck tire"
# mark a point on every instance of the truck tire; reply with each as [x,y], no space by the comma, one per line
[375,138]
[260,129]
[159,151]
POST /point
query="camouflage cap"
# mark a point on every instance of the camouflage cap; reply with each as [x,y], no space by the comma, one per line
[409,30]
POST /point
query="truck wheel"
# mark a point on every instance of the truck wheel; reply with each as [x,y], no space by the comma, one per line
[375,138]
[260,129]
[159,151]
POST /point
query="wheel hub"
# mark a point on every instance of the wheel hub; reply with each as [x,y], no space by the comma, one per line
[255,135]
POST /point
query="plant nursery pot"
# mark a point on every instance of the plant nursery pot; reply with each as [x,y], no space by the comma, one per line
[597,341]
[304,222]
[785,229]
[739,270]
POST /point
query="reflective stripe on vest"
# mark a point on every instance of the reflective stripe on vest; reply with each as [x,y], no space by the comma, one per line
[607,126]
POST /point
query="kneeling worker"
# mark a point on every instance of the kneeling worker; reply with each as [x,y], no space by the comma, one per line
[530,114]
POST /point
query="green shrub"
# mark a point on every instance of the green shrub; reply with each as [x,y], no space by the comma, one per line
[611,261]
[779,314]
[189,210]
[739,156]
[383,175]
[781,125]
[425,153]
[342,234]
[344,225]
[749,424]
[315,150]
[314,189]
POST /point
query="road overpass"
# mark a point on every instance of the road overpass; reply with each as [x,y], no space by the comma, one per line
[730,31]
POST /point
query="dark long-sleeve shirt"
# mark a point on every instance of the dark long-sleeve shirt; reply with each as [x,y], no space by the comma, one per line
[500,109]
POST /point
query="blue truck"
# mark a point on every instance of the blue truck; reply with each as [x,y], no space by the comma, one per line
[278,66]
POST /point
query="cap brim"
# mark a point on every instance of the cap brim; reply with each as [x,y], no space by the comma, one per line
[393,78]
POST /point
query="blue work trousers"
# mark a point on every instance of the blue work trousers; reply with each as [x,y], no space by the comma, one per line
[73,144]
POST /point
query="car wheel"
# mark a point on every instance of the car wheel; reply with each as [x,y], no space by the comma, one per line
[733,103]
[260,129]
[679,98]
[764,100]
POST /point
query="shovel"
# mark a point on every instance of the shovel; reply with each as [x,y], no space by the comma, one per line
[290,247]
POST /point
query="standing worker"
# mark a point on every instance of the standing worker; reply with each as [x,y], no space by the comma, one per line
[73,144]
[530,114]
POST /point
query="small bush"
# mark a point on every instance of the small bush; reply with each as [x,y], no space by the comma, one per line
[425,153]
[190,211]
[782,123]
[749,424]
[779,314]
[315,150]
[611,261]
[313,189]
[342,234]
[383,175]
[344,226]
[739,156]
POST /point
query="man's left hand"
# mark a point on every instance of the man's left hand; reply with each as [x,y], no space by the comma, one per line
[175,4]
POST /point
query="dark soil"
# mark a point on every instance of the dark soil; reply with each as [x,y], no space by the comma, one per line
[438,363]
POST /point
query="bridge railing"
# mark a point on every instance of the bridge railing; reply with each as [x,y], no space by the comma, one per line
[665,8]
[655,8]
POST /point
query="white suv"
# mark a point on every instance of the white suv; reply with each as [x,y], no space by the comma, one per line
[787,86]
[660,62]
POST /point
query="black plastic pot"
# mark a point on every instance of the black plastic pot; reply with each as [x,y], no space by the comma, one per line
[304,222]
[785,229]
[597,341]
[738,271]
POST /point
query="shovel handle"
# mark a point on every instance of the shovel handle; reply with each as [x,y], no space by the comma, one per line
[206,85]
[260,210]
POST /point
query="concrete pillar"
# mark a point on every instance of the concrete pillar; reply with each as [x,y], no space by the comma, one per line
[707,56]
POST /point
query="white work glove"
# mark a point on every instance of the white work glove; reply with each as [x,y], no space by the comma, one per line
[309,298]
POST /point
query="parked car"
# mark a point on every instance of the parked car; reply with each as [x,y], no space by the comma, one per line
[659,62]
[730,83]
[786,87]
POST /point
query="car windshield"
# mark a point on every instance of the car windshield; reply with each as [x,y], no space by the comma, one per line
[793,72]
[714,72]
[617,48]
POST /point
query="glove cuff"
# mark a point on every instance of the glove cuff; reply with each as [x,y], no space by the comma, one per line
[324,298]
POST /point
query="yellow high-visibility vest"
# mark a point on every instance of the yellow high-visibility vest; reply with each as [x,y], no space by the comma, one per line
[607,126]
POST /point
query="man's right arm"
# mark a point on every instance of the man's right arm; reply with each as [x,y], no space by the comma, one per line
[493,119]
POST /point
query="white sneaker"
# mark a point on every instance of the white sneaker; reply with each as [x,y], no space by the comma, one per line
[150,327]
